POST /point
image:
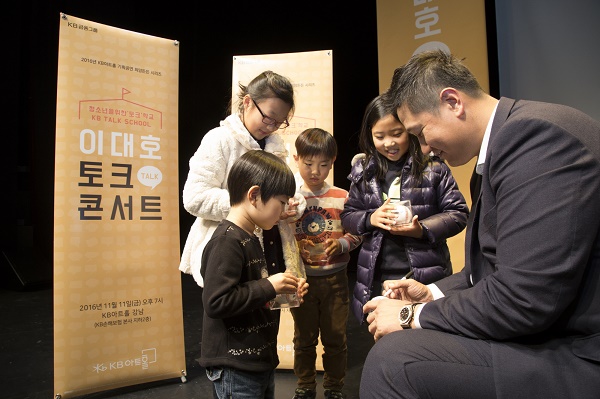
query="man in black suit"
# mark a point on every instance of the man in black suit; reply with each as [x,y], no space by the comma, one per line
[522,319]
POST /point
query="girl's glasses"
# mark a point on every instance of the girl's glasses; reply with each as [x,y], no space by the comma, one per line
[270,121]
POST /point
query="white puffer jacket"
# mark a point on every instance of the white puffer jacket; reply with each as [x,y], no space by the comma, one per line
[205,192]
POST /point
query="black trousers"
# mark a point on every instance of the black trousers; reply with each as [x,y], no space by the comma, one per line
[428,364]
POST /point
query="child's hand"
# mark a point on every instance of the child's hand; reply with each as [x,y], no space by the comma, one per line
[318,253]
[284,283]
[290,210]
[332,247]
[414,229]
[303,248]
[302,289]
[383,217]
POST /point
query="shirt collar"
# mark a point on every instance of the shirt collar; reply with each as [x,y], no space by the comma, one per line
[484,143]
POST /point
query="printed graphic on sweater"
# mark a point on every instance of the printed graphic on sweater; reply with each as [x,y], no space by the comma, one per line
[316,224]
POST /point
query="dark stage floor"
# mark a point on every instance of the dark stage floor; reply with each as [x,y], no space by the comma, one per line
[26,352]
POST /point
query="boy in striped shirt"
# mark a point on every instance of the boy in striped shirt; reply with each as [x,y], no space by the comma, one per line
[325,248]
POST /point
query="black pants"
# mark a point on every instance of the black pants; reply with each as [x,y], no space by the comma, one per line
[428,364]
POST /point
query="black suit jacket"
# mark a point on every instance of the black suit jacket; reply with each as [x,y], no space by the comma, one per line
[533,255]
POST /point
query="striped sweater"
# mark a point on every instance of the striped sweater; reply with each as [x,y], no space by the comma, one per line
[320,221]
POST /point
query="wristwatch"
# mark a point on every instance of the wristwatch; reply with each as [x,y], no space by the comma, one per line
[407,314]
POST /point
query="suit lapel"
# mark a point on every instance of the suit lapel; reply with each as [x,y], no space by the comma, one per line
[471,240]
[476,267]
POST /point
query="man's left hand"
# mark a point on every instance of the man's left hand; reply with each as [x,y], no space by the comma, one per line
[382,316]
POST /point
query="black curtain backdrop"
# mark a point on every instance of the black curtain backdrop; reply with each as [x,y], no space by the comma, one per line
[210,34]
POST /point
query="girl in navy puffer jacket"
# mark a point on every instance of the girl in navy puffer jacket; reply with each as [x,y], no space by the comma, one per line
[393,161]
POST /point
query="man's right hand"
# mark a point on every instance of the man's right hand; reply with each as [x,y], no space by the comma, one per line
[408,290]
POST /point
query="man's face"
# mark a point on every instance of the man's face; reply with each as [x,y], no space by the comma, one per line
[443,133]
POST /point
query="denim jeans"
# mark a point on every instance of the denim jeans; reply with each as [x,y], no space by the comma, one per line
[230,383]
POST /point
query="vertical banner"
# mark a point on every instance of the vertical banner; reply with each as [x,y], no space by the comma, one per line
[311,74]
[405,28]
[118,317]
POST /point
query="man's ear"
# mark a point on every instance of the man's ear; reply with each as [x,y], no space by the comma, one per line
[253,194]
[452,99]
[296,158]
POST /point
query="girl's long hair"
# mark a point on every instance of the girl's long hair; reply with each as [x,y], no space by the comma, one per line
[377,109]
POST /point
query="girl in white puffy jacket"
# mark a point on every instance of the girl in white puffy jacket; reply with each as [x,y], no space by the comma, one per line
[265,105]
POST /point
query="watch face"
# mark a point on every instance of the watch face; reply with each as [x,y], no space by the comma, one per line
[404,314]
